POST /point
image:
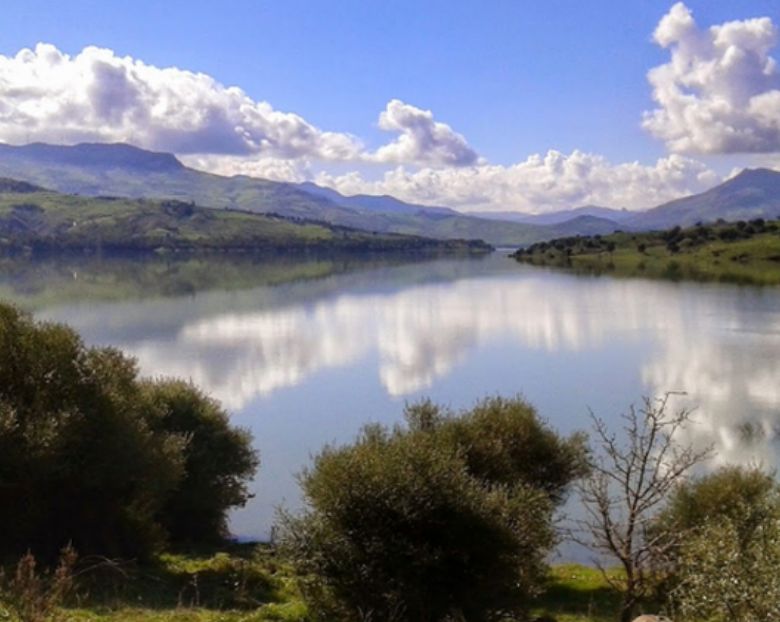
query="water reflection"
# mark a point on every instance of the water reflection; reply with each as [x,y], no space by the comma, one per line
[276,343]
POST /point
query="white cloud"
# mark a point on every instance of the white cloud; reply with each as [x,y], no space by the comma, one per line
[47,95]
[540,183]
[422,140]
[95,95]
[275,169]
[720,91]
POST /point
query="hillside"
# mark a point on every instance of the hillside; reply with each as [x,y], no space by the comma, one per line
[34,218]
[744,252]
[753,193]
[123,170]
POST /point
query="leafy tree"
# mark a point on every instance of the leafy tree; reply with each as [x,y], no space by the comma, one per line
[218,462]
[436,520]
[748,498]
[503,442]
[88,455]
[724,580]
[725,531]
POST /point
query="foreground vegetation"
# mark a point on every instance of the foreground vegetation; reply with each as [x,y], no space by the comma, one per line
[35,219]
[95,457]
[742,252]
[114,492]
[249,583]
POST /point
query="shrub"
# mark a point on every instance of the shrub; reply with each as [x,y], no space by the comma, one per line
[218,462]
[434,521]
[725,528]
[88,454]
[33,595]
[723,581]
[748,498]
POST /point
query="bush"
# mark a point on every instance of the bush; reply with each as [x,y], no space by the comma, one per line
[33,595]
[748,498]
[722,580]
[726,531]
[218,462]
[434,521]
[88,454]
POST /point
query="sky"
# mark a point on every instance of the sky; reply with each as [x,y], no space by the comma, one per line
[501,105]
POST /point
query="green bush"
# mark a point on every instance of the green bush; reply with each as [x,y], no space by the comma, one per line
[218,462]
[432,521]
[748,498]
[724,561]
[88,454]
[725,580]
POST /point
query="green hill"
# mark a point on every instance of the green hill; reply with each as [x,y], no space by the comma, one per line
[34,218]
[741,252]
[124,170]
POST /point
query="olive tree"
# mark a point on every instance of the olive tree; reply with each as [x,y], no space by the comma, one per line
[725,580]
[725,566]
[447,518]
[218,462]
[91,455]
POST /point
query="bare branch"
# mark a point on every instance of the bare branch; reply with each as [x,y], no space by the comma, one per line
[629,482]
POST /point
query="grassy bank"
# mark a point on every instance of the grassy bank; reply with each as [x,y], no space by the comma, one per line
[250,584]
[744,252]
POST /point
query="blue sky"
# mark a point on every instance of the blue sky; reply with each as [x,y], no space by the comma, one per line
[511,78]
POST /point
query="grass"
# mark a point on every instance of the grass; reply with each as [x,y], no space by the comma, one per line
[244,583]
[746,253]
[578,593]
[248,583]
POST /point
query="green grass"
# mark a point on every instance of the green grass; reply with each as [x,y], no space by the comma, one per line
[245,583]
[248,583]
[737,253]
[578,594]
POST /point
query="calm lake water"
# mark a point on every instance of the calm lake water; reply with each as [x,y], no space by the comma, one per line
[304,353]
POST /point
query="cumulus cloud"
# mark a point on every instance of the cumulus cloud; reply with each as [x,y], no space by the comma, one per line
[542,182]
[422,140]
[95,95]
[720,91]
[47,95]
[275,169]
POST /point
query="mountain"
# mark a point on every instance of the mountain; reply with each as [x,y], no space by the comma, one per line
[554,218]
[38,219]
[123,170]
[753,193]
[383,203]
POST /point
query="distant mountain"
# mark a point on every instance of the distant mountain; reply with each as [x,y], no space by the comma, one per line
[583,225]
[38,219]
[553,218]
[754,193]
[127,171]
[373,203]
[94,155]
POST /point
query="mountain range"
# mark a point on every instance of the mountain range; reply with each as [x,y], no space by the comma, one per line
[126,171]
[121,170]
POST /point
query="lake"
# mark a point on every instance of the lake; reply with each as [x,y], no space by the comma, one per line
[305,352]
